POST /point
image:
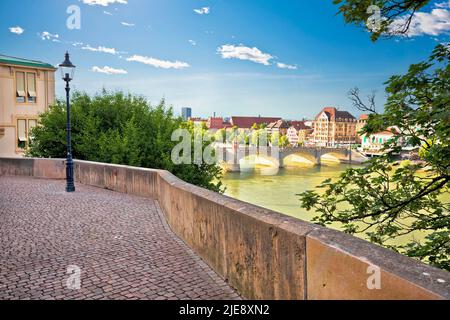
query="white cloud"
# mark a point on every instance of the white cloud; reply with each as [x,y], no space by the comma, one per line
[286,66]
[107,13]
[48,36]
[103,3]
[17,30]
[126,24]
[109,70]
[443,4]
[204,10]
[100,49]
[245,53]
[159,63]
[193,42]
[432,23]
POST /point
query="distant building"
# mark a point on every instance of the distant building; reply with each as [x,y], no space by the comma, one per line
[186,113]
[309,123]
[281,127]
[292,136]
[198,121]
[333,127]
[217,123]
[360,125]
[298,132]
[27,88]
[375,142]
[244,123]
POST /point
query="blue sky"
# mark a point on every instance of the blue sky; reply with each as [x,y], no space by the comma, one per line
[234,57]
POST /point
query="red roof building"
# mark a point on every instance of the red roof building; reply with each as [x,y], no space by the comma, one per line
[335,115]
[299,125]
[333,127]
[360,125]
[364,117]
[217,123]
[248,122]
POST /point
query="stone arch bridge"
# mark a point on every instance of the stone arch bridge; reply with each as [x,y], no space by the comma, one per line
[232,156]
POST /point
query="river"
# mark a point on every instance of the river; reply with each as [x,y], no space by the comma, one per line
[278,192]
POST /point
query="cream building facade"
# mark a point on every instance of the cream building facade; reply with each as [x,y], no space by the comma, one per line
[27,88]
[333,127]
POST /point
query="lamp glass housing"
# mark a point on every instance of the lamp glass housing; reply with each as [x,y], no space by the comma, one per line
[67,69]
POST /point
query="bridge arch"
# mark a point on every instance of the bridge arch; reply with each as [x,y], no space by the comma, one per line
[251,157]
[253,161]
[340,156]
[299,158]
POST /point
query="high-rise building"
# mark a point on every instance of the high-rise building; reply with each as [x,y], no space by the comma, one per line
[27,88]
[186,113]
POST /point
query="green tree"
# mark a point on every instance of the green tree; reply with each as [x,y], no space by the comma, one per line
[120,129]
[385,199]
[201,173]
[220,135]
[283,142]
[275,138]
[259,137]
[233,134]
[243,137]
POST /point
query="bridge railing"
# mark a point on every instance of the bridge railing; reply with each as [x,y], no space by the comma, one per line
[261,253]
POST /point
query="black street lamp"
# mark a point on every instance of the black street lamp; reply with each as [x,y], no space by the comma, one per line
[67,72]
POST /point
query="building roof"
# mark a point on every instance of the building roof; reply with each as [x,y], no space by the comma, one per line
[388,132]
[364,117]
[391,131]
[336,115]
[248,122]
[8,60]
[299,125]
[217,123]
[280,124]
[198,119]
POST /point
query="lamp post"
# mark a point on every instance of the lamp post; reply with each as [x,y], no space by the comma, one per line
[67,72]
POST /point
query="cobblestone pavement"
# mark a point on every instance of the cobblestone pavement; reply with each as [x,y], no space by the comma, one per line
[121,244]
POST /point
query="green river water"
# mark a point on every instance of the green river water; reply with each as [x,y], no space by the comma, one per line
[278,192]
[277,189]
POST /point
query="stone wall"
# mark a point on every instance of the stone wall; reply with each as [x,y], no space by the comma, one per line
[263,254]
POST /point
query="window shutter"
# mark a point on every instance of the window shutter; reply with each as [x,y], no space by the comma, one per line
[20,84]
[21,130]
[31,81]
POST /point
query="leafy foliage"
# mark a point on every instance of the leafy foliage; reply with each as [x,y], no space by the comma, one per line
[387,199]
[120,129]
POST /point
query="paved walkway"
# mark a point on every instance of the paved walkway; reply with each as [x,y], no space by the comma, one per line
[121,244]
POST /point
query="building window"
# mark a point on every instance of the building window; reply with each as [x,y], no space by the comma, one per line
[24,128]
[21,133]
[20,87]
[31,85]
[26,87]
[32,123]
